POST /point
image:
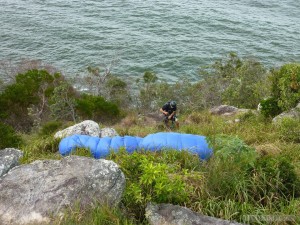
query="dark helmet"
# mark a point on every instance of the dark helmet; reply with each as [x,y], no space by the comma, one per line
[172,104]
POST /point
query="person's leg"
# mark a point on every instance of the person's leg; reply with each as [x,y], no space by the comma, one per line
[166,121]
[177,124]
[175,121]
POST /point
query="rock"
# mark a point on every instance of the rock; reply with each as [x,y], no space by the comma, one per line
[32,193]
[227,110]
[9,158]
[224,109]
[87,127]
[108,132]
[293,114]
[167,214]
[268,149]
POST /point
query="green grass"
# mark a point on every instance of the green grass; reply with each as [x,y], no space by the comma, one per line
[255,170]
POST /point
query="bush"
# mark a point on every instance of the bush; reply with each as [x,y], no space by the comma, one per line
[285,87]
[239,82]
[226,147]
[158,177]
[269,107]
[50,128]
[30,91]
[118,91]
[8,137]
[96,108]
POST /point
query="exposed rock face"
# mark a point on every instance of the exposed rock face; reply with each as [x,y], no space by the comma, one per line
[87,127]
[293,114]
[108,132]
[224,109]
[227,110]
[30,193]
[9,158]
[167,214]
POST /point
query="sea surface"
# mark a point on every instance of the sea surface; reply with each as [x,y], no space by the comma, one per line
[170,37]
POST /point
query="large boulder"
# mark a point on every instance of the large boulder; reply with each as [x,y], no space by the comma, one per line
[108,132]
[227,110]
[168,214]
[293,114]
[87,127]
[32,193]
[9,158]
[224,109]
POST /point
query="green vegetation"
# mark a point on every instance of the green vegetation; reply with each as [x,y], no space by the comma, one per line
[286,85]
[255,168]
[9,138]
[96,108]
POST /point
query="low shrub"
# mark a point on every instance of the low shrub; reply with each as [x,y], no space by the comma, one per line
[269,107]
[96,108]
[156,177]
[50,128]
[8,137]
[285,85]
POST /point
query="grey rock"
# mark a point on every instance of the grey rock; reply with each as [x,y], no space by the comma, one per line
[108,132]
[87,127]
[224,109]
[293,114]
[32,193]
[9,158]
[168,214]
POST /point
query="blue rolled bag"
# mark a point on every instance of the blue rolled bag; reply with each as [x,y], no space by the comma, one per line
[101,147]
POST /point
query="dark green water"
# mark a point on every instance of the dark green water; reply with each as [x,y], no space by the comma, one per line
[172,38]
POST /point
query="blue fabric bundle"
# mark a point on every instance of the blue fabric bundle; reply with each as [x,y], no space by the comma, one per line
[100,147]
[193,143]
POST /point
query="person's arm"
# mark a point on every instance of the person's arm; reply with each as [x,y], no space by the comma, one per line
[164,112]
[172,114]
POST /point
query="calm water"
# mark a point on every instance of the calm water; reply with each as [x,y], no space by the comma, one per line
[170,37]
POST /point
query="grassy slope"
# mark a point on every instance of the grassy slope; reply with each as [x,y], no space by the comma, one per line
[222,187]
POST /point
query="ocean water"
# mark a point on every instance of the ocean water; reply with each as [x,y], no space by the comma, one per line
[170,37]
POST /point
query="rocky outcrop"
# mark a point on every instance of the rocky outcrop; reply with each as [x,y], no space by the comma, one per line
[223,109]
[31,193]
[167,214]
[108,132]
[87,127]
[227,110]
[293,114]
[9,158]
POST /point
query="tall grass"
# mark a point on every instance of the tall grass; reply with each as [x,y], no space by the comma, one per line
[96,215]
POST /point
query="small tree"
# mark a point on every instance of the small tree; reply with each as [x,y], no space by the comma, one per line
[96,108]
[8,137]
[147,91]
[117,91]
[63,102]
[32,91]
[234,81]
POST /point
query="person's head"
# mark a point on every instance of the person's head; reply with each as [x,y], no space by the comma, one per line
[172,104]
